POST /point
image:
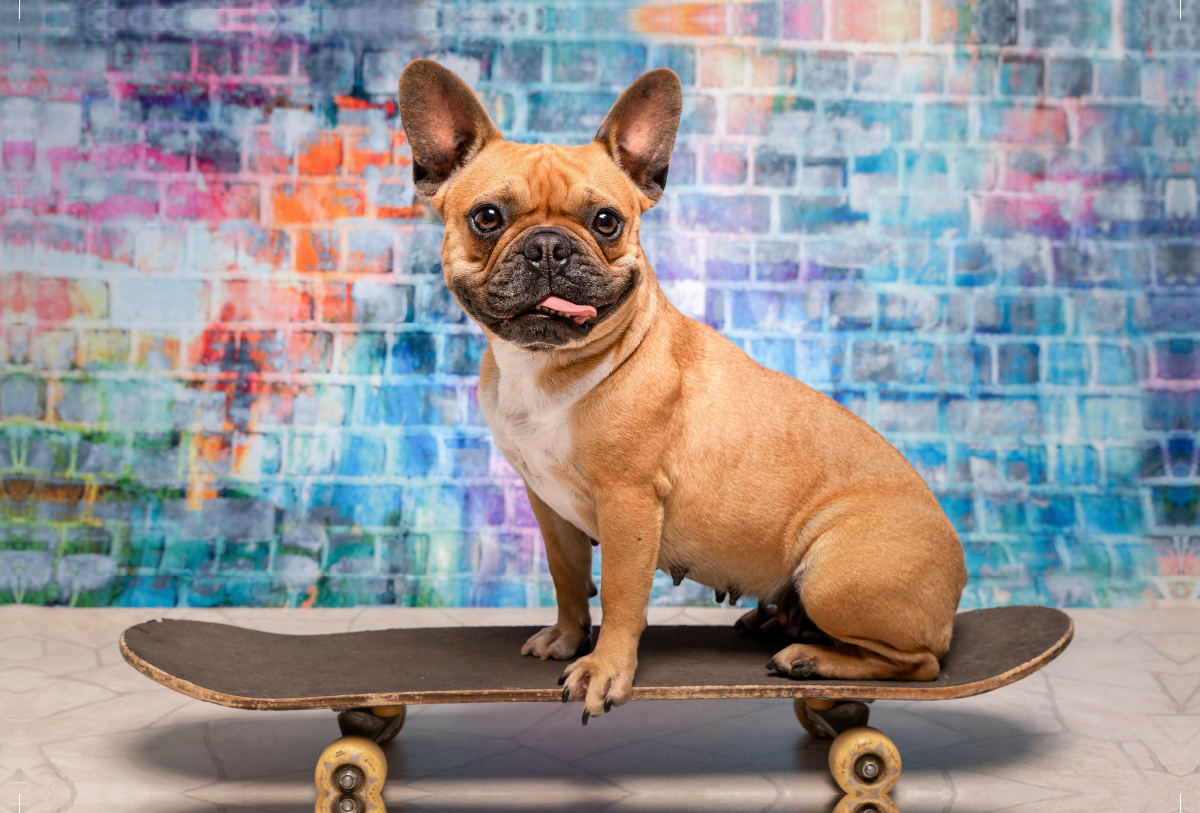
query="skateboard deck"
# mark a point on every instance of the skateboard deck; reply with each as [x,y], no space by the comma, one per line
[244,668]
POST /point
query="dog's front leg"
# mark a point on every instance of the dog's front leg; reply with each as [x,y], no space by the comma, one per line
[630,527]
[569,555]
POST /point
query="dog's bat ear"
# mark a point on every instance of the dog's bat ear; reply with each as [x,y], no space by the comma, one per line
[639,131]
[443,121]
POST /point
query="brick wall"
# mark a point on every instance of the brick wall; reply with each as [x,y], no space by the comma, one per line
[232,373]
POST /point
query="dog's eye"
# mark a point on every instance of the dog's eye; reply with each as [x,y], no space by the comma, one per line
[605,223]
[487,218]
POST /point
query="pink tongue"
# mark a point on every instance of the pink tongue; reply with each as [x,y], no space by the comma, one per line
[580,313]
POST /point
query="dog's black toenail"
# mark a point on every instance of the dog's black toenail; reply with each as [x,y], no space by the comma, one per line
[566,693]
[586,715]
[607,705]
[771,665]
[562,678]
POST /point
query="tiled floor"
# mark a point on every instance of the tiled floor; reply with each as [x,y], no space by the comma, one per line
[1112,725]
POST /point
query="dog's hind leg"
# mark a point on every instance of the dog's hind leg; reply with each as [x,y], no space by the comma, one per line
[885,590]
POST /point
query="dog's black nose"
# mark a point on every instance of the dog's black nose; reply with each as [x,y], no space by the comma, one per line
[550,245]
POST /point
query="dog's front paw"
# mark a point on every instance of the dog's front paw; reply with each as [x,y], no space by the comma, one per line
[560,642]
[600,682]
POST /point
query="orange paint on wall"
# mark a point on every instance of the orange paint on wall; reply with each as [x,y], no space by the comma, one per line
[359,159]
[317,251]
[687,19]
[398,212]
[947,22]
[245,301]
[209,454]
[402,154]
[882,21]
[308,352]
[321,155]
[253,344]
[317,202]
[156,352]
[337,305]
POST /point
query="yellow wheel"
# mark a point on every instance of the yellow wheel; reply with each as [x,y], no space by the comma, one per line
[389,713]
[800,706]
[350,775]
[858,803]
[864,761]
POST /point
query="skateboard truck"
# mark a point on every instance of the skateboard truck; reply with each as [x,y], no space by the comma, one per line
[380,724]
[826,719]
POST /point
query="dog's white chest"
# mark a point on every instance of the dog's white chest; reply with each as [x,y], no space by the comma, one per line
[532,427]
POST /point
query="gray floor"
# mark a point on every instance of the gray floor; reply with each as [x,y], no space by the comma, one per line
[1112,725]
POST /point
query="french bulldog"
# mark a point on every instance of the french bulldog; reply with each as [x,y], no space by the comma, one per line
[649,433]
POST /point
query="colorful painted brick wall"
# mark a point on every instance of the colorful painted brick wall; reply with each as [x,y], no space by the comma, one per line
[232,373]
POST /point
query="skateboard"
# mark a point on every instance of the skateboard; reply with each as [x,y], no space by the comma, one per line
[370,677]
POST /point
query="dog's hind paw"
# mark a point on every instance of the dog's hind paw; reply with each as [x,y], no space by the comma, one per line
[758,622]
[791,663]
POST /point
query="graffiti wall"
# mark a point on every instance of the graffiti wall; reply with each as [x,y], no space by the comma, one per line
[232,374]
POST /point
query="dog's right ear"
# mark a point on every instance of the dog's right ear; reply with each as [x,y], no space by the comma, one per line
[444,122]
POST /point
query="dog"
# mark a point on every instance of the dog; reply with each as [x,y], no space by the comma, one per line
[649,433]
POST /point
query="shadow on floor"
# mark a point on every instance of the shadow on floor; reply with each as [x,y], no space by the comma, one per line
[499,758]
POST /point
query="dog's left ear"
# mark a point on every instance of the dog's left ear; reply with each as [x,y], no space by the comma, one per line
[639,131]
[444,122]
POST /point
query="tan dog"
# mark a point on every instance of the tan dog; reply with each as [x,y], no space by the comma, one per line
[636,426]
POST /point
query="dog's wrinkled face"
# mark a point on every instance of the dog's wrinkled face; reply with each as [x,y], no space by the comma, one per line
[541,241]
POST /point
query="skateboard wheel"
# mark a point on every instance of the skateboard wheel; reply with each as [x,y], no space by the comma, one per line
[871,803]
[801,709]
[349,776]
[863,760]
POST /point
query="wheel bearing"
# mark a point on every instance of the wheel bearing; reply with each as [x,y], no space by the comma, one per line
[348,778]
[869,768]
